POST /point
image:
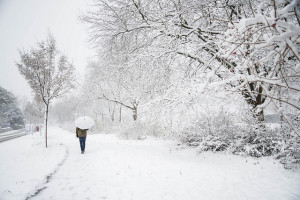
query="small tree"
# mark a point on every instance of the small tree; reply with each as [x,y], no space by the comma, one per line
[47,71]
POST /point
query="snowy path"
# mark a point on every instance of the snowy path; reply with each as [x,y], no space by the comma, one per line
[155,170]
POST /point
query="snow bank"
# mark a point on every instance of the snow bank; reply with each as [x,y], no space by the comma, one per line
[25,165]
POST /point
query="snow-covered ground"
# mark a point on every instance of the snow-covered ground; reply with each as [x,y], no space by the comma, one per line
[122,169]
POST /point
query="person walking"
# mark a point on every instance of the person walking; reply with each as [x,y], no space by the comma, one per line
[81,134]
[83,124]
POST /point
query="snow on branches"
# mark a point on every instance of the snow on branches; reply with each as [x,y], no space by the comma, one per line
[207,51]
[265,49]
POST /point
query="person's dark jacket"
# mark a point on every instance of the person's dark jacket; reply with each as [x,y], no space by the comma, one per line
[80,132]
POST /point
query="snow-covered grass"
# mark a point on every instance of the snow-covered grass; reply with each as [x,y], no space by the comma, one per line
[26,163]
[152,169]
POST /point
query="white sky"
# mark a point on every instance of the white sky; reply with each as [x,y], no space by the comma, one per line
[24,22]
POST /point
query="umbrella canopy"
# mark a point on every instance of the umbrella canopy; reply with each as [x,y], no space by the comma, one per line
[84,122]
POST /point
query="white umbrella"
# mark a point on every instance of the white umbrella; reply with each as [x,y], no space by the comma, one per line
[84,122]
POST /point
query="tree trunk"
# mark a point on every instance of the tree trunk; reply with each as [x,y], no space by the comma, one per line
[120,119]
[254,97]
[260,116]
[111,111]
[134,113]
[46,123]
[260,99]
[112,116]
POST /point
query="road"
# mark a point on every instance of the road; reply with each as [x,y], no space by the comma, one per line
[11,135]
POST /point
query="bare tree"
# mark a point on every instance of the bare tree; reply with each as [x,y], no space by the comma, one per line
[48,72]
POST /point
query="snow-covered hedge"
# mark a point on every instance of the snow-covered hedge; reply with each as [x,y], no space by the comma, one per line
[221,134]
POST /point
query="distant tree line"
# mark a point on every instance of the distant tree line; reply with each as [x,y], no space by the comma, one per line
[10,113]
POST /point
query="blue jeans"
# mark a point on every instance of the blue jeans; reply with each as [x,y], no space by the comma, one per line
[82,143]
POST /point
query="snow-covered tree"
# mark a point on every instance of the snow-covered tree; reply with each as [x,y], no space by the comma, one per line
[222,66]
[225,44]
[65,109]
[123,80]
[34,112]
[264,50]
[48,72]
[9,111]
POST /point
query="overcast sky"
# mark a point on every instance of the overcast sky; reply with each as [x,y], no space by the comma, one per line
[24,22]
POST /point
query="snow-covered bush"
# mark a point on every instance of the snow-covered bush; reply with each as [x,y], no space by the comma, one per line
[135,131]
[213,131]
[140,130]
[249,139]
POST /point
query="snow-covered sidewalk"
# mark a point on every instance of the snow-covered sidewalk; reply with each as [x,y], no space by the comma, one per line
[139,170]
